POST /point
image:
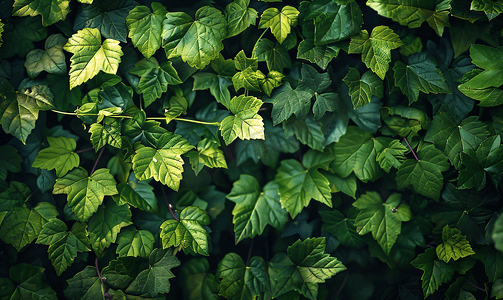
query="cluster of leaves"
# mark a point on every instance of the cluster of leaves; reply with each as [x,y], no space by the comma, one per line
[147,148]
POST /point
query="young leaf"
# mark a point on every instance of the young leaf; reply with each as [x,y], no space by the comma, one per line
[85,193]
[52,60]
[135,243]
[145,28]
[51,11]
[392,156]
[275,55]
[341,227]
[208,154]
[21,227]
[362,89]
[187,232]
[239,17]
[435,272]
[90,56]
[376,48]
[108,133]
[59,155]
[246,123]
[280,22]
[255,209]
[454,245]
[180,36]
[302,268]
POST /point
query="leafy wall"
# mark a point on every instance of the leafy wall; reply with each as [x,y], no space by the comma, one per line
[324,149]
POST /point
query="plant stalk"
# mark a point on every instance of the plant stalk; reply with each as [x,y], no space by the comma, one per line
[415,156]
[97,160]
[168,204]
[249,252]
[105,289]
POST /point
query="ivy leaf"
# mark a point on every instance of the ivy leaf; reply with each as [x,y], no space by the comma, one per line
[239,17]
[302,268]
[246,122]
[154,78]
[135,243]
[108,133]
[255,209]
[280,22]
[137,194]
[19,110]
[208,154]
[376,48]
[155,279]
[308,132]
[51,60]
[187,232]
[59,155]
[105,224]
[392,156]
[91,56]
[240,281]
[26,282]
[435,272]
[299,183]
[85,193]
[425,174]
[181,36]
[275,55]
[341,227]
[51,11]
[362,89]
[454,245]
[145,28]
[420,75]
[384,220]
[218,85]
[490,8]
[85,285]
[356,151]
[413,14]
[148,132]
[288,101]
[21,226]
[109,17]
[20,35]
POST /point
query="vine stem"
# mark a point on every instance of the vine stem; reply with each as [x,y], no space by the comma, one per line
[342,285]
[249,252]
[415,156]
[84,150]
[97,160]
[105,289]
[168,204]
[478,288]
[256,43]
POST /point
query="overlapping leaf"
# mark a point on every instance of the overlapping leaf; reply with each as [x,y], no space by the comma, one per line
[280,22]
[341,227]
[435,271]
[239,17]
[454,245]
[59,155]
[361,89]
[21,226]
[51,11]
[246,122]
[51,60]
[135,243]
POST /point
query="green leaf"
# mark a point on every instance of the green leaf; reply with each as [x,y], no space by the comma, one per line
[341,227]
[108,16]
[414,13]
[85,285]
[218,85]
[420,75]
[346,185]
[9,160]
[497,234]
[145,28]
[288,101]
[188,231]
[135,243]
[21,226]
[122,271]
[137,194]
[239,17]
[51,11]
[139,129]
[85,193]
[280,22]
[307,131]
[275,55]
[362,89]
[302,268]
[425,174]
[105,225]
[490,8]
[240,281]
[182,36]
[435,272]
[246,123]
[59,155]
[497,289]
[28,284]
[155,279]
[255,209]
[52,60]
[356,151]
[20,36]
[454,245]
[208,154]
[108,133]
[154,78]
[392,156]
[384,220]
[376,48]
[90,56]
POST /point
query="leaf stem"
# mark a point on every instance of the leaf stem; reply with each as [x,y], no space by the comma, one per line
[97,160]
[105,289]
[64,112]
[84,150]
[342,285]
[395,209]
[191,121]
[415,156]
[168,204]
[478,288]
[258,40]
[249,252]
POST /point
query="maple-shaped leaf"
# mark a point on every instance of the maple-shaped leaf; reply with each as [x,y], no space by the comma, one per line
[148,132]
[26,282]
[414,13]
[392,156]
[275,55]
[188,231]
[425,172]
[132,242]
[106,223]
[21,226]
[280,22]
[301,269]
[51,60]
[492,9]
[85,193]
[240,281]
[435,271]
[246,122]
[145,27]
[107,134]
[85,285]
[51,11]
[419,75]
[454,245]
[299,183]
[137,194]
[59,155]
[198,41]
[239,17]
[383,219]
[218,82]
[208,154]
[335,223]
[376,48]
[455,139]
[255,209]
[361,89]
[90,56]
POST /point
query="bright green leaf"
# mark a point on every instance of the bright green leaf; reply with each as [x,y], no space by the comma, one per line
[454,245]
[21,227]
[135,243]
[59,155]
[492,9]
[280,22]
[246,123]
[239,17]
[392,156]
[137,194]
[52,60]
[51,11]
[435,272]
[108,133]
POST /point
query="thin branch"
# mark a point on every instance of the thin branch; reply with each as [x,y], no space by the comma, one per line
[189,120]
[97,160]
[259,38]
[84,150]
[167,203]
[249,252]
[478,288]
[342,285]
[105,289]
[411,149]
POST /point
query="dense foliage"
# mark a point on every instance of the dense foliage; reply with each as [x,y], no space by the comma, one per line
[315,149]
